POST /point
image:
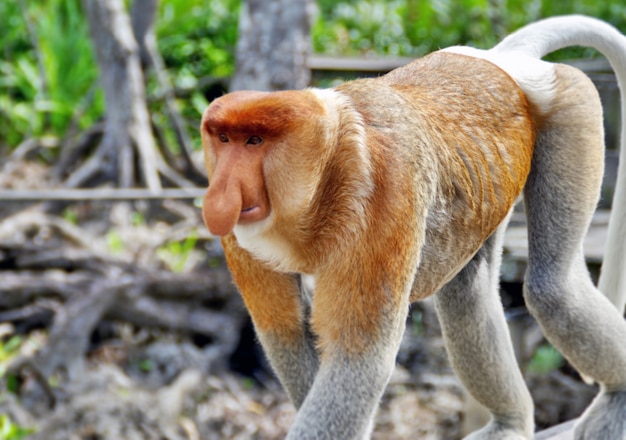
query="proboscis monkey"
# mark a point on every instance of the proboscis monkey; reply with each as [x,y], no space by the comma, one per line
[392,189]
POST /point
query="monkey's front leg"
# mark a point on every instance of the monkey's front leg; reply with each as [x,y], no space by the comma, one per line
[359,320]
[279,314]
[293,356]
[342,402]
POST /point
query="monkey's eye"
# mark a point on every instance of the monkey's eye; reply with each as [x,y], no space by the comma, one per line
[222,137]
[254,140]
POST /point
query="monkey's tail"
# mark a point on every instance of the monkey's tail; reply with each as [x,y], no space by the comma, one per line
[545,36]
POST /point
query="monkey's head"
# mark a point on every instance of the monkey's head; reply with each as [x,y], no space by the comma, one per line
[259,152]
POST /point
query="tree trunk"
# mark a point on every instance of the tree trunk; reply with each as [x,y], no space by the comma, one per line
[142,17]
[127,119]
[143,14]
[273,46]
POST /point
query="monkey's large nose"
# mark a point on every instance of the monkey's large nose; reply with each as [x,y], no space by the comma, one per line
[222,206]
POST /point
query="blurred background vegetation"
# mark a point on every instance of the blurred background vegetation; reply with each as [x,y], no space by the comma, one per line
[48,76]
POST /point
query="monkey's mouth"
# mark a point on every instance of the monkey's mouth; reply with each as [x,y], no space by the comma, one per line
[251,214]
[250,209]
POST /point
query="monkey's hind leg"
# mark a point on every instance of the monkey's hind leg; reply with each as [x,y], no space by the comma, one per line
[480,348]
[561,196]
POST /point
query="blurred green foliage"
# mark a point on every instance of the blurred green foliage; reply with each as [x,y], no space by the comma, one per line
[416,27]
[33,104]
[9,349]
[175,254]
[545,360]
[197,38]
[12,431]
[48,75]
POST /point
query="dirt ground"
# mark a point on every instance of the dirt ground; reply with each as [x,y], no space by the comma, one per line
[173,399]
[139,383]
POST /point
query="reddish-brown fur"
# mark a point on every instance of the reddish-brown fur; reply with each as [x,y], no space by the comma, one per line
[435,184]
[278,309]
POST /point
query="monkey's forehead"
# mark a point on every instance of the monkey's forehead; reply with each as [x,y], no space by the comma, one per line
[260,112]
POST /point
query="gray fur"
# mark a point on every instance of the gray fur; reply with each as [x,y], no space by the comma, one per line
[343,400]
[296,366]
[575,316]
[479,345]
[604,419]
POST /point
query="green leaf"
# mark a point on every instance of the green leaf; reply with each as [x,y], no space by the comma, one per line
[545,360]
[114,242]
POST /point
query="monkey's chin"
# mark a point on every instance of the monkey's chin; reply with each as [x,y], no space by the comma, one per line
[275,251]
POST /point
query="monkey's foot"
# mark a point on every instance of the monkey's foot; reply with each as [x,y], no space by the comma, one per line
[604,419]
[496,431]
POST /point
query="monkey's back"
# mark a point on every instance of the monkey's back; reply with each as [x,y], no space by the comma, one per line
[431,116]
